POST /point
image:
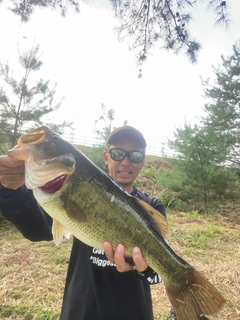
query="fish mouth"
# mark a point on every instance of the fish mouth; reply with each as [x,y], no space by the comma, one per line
[54,185]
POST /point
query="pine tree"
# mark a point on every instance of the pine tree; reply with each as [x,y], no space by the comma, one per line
[25,8]
[207,151]
[105,121]
[223,109]
[23,105]
[143,22]
[203,178]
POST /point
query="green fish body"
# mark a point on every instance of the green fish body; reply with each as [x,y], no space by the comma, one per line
[88,203]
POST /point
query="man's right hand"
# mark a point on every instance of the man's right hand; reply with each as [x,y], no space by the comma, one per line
[12,172]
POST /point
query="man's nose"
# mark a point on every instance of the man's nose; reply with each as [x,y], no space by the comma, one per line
[126,161]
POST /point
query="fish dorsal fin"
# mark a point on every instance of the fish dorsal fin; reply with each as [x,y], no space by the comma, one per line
[161,224]
[59,232]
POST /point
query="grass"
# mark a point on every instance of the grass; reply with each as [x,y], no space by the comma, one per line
[212,245]
[33,274]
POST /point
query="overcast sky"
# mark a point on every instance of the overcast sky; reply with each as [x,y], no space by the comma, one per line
[82,55]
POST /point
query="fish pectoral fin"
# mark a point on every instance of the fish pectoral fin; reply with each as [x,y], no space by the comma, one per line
[160,222]
[59,232]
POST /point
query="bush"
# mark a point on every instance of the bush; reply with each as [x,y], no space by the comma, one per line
[171,199]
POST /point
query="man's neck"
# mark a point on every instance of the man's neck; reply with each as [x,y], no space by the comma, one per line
[128,188]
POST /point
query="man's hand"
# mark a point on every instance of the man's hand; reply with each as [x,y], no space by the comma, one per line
[117,258]
[12,172]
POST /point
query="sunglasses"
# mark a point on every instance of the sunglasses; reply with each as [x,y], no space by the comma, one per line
[118,154]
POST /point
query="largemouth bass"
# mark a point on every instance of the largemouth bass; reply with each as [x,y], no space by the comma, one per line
[84,200]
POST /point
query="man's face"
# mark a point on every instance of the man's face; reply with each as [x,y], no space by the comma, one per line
[124,171]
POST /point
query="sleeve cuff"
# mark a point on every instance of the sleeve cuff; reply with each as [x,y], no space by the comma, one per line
[9,194]
[147,273]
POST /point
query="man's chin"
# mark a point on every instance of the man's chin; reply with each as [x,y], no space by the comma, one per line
[124,180]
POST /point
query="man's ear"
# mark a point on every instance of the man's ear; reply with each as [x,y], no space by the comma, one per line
[105,157]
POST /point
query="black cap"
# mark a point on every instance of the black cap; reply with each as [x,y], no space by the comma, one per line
[126,132]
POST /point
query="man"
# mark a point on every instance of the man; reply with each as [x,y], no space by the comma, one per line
[100,285]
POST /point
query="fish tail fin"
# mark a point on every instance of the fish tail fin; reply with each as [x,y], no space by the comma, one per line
[199,297]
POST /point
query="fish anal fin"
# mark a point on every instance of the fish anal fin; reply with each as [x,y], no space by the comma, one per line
[59,232]
[199,297]
[160,221]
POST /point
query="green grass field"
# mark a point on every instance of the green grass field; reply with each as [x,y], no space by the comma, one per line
[33,274]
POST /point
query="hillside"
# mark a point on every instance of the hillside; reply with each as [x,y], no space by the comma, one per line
[33,274]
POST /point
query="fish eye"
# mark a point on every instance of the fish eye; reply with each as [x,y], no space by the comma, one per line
[56,138]
[68,161]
